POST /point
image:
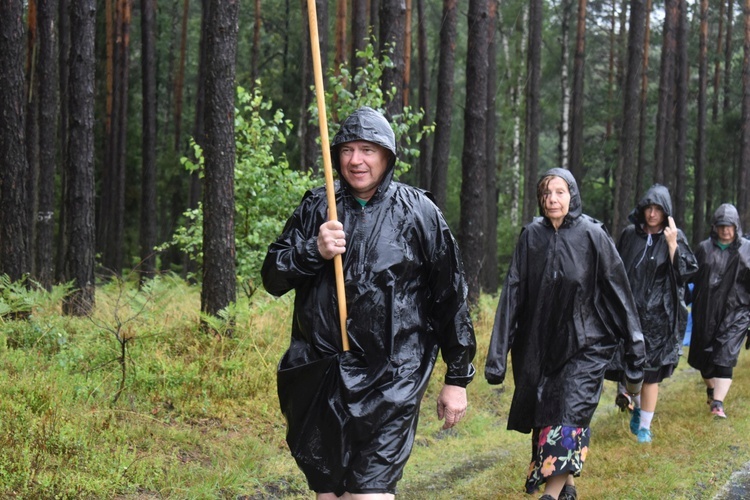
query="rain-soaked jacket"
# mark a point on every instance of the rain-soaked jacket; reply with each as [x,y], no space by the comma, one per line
[658,283]
[721,297]
[406,300]
[565,306]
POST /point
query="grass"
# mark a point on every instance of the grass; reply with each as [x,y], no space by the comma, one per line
[198,416]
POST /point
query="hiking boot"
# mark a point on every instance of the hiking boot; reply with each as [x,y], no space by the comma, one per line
[635,421]
[709,395]
[568,493]
[717,409]
[623,402]
[546,497]
[644,435]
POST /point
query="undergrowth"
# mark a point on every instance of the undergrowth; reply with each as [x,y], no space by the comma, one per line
[197,415]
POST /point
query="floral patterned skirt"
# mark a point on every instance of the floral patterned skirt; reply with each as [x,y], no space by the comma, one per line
[556,450]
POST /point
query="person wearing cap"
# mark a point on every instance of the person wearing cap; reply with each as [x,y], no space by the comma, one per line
[659,264]
[565,307]
[721,305]
[406,298]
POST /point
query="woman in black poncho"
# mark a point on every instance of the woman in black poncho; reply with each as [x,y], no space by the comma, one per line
[565,306]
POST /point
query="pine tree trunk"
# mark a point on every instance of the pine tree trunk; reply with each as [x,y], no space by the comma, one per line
[725,180]
[699,207]
[577,97]
[743,197]
[717,64]
[531,137]
[32,129]
[624,176]
[425,154]
[640,183]
[219,280]
[47,73]
[148,137]
[180,80]
[664,114]
[63,57]
[490,273]
[359,33]
[308,132]
[563,151]
[474,174]
[392,35]
[681,117]
[443,118]
[79,163]
[14,227]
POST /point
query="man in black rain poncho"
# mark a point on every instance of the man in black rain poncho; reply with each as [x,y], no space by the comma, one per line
[659,264]
[721,305]
[406,298]
[565,306]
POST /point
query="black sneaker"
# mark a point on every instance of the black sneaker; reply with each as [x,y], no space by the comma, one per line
[568,493]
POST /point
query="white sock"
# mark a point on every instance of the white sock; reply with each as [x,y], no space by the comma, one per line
[646,417]
[637,401]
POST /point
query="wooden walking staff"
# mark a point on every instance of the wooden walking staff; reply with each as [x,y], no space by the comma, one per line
[327,169]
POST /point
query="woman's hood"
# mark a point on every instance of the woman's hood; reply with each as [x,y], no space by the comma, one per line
[656,195]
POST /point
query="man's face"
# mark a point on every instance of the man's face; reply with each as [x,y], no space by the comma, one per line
[725,233]
[363,164]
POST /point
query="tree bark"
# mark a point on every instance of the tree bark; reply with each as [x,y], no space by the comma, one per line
[531,138]
[47,73]
[577,97]
[148,136]
[219,280]
[699,207]
[79,163]
[340,54]
[490,275]
[32,129]
[743,198]
[359,33]
[63,57]
[681,116]
[255,59]
[726,180]
[425,154]
[624,176]
[14,227]
[443,118]
[392,36]
[717,64]
[563,149]
[664,114]
[474,173]
[180,79]
[640,183]
[308,132]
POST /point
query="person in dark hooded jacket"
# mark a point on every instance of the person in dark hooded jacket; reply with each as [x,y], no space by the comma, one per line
[659,264]
[406,301]
[721,305]
[565,307]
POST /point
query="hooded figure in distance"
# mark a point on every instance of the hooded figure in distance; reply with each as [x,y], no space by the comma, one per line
[659,264]
[721,305]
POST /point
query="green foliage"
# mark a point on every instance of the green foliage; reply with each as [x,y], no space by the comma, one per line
[200,417]
[266,190]
[346,93]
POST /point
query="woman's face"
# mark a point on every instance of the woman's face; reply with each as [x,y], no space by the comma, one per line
[556,200]
[654,217]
